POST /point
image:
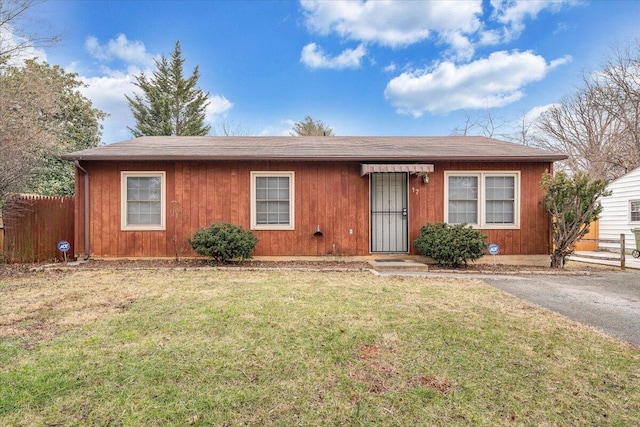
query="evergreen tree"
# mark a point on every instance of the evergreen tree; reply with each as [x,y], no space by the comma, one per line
[573,203]
[169,104]
[311,127]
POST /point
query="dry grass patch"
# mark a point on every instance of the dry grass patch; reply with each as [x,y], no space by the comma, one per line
[168,347]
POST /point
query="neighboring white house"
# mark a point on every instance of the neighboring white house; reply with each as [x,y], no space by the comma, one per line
[621,210]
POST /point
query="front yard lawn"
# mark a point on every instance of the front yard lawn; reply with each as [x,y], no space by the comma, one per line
[204,347]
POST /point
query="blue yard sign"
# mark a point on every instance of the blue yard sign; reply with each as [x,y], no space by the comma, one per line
[64,246]
[494,249]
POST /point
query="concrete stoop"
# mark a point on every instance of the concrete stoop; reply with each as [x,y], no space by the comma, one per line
[398,264]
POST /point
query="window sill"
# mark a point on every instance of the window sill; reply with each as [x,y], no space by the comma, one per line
[273,227]
[140,228]
[493,227]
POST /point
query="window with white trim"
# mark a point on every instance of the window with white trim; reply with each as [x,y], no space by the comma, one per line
[483,199]
[143,200]
[272,201]
[634,210]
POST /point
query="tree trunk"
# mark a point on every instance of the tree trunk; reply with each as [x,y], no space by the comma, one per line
[557,260]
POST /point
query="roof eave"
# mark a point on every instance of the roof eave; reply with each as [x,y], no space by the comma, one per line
[548,158]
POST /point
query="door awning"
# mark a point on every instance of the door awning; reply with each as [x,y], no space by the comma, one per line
[416,168]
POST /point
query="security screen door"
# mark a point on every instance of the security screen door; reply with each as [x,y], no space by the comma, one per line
[389,221]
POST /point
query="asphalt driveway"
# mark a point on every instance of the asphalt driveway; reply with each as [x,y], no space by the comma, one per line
[608,301]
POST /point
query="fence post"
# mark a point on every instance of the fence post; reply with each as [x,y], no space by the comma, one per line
[622,250]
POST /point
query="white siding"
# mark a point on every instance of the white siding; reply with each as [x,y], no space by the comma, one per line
[614,218]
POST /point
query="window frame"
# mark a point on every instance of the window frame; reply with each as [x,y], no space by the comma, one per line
[631,202]
[482,200]
[273,174]
[124,225]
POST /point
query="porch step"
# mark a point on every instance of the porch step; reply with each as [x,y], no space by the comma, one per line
[398,264]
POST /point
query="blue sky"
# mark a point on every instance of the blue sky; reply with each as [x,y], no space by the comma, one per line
[364,68]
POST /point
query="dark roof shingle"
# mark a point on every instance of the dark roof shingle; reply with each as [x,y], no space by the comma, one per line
[328,148]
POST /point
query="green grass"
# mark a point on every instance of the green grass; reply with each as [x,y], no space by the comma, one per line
[230,348]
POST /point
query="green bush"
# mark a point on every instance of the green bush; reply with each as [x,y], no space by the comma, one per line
[223,241]
[451,245]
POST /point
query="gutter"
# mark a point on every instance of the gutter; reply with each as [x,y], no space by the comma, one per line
[87,252]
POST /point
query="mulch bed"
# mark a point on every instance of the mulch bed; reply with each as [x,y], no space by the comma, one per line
[15,270]
[248,264]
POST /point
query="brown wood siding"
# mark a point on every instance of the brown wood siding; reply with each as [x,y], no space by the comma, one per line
[426,203]
[332,195]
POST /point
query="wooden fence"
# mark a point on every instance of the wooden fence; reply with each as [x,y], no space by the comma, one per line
[33,226]
[620,241]
[590,240]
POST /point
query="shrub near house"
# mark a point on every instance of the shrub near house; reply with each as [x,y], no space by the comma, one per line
[451,245]
[223,241]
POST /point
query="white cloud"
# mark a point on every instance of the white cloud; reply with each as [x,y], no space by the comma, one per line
[461,47]
[130,52]
[513,13]
[490,82]
[560,61]
[534,113]
[459,25]
[282,129]
[9,41]
[393,24]
[390,68]
[107,93]
[217,105]
[314,57]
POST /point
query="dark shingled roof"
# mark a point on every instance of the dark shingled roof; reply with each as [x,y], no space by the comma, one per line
[327,148]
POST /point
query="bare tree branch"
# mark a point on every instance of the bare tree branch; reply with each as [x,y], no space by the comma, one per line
[15,39]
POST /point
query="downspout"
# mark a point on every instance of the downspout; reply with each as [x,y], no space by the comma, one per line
[87,251]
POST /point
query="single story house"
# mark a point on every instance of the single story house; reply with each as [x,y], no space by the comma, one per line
[621,211]
[305,196]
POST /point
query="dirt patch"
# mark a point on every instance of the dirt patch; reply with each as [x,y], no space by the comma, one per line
[14,270]
[441,385]
[368,351]
[39,309]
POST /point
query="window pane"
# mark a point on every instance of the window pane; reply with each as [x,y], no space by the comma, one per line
[500,200]
[463,199]
[144,196]
[261,182]
[500,212]
[463,211]
[635,210]
[272,200]
[500,188]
